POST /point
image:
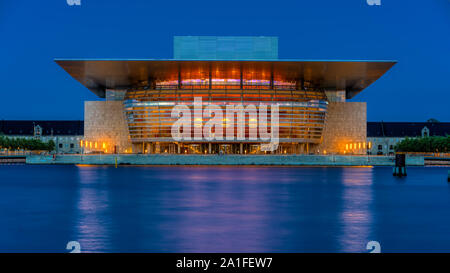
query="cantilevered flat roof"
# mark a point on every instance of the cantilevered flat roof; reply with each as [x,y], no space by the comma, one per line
[101,74]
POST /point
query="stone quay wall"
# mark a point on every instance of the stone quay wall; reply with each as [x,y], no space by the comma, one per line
[262,160]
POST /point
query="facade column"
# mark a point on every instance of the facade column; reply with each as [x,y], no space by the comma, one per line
[179,148]
[209,148]
[179,76]
[241,81]
[210,76]
[271,78]
[241,148]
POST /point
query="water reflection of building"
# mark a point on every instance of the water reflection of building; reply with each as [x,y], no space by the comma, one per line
[315,116]
[92,223]
[357,213]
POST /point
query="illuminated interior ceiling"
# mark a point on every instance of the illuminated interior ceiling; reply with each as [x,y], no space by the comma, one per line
[98,75]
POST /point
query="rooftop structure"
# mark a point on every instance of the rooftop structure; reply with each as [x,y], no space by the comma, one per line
[225,48]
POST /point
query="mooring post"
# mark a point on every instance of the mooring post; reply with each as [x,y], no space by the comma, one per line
[116,161]
[400,165]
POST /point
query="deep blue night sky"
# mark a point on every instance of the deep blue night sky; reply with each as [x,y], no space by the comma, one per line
[415,33]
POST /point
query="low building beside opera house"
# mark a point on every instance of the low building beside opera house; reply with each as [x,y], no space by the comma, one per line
[383,136]
[66,134]
[139,95]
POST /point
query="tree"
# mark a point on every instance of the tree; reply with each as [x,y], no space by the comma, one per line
[424,144]
[50,145]
[26,144]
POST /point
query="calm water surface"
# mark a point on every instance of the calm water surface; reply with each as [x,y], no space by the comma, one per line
[223,209]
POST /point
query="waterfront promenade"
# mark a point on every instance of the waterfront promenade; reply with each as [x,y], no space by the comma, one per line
[262,160]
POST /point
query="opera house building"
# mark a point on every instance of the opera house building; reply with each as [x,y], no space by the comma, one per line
[137,96]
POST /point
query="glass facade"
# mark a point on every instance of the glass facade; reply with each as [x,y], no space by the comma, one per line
[301,113]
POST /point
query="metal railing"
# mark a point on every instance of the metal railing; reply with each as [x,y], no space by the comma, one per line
[232,87]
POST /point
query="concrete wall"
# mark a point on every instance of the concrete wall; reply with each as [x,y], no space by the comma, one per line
[65,144]
[383,145]
[345,123]
[104,122]
[274,160]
